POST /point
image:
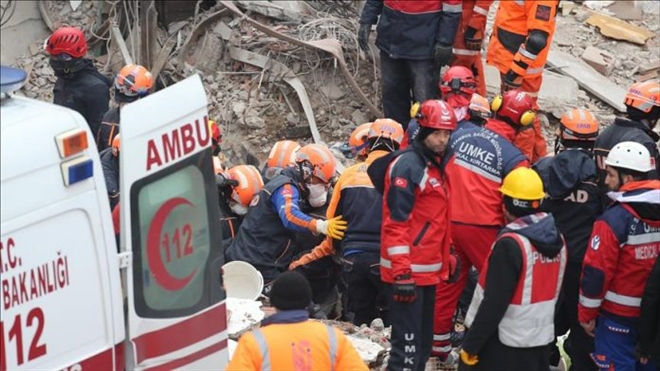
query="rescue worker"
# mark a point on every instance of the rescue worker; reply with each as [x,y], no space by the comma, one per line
[357,144]
[519,46]
[79,86]
[642,114]
[514,117]
[360,204]
[415,237]
[479,110]
[510,320]
[282,155]
[573,198]
[480,160]
[216,137]
[236,189]
[110,164]
[622,249]
[469,40]
[648,346]
[288,340]
[266,234]
[131,83]
[415,40]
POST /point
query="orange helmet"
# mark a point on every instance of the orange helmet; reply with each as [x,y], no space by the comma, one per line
[132,82]
[283,154]
[249,183]
[317,160]
[578,124]
[386,128]
[116,143]
[67,40]
[643,96]
[358,140]
[479,107]
[436,114]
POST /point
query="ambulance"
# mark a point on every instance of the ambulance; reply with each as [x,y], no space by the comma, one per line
[71,298]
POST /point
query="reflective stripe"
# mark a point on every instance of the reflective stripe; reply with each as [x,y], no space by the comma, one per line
[445,349]
[466,52]
[630,301]
[442,337]
[476,169]
[520,2]
[425,177]
[263,348]
[332,339]
[452,8]
[416,268]
[532,71]
[641,239]
[480,10]
[532,94]
[590,303]
[526,54]
[398,250]
[526,298]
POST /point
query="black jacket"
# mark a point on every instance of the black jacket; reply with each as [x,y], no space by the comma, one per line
[649,329]
[86,91]
[623,130]
[108,129]
[572,196]
[110,165]
[407,35]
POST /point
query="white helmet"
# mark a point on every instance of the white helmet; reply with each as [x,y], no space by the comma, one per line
[632,156]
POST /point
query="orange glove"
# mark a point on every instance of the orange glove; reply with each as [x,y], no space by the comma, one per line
[468,359]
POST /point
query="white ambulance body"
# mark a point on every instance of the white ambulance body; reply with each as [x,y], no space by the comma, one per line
[70,301]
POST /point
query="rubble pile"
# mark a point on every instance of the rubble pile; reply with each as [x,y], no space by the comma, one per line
[263,87]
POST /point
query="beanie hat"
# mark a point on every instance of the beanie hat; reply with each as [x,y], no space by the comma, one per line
[424,132]
[291,290]
[520,208]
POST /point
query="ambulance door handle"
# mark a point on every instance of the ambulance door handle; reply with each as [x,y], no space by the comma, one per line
[124,259]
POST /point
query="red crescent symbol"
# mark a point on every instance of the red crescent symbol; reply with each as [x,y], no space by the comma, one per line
[161,274]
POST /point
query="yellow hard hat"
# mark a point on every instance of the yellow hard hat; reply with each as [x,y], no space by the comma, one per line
[524,184]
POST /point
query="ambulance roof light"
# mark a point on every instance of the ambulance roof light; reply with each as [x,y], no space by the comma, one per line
[11,79]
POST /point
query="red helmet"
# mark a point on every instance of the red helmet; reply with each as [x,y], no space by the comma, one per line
[67,40]
[216,133]
[516,106]
[458,78]
[436,114]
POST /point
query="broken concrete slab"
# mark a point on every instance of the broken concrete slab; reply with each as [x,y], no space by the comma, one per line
[627,10]
[653,65]
[601,60]
[557,92]
[567,7]
[332,91]
[588,78]
[620,30]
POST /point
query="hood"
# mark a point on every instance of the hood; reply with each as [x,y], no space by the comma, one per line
[564,172]
[639,125]
[642,198]
[541,230]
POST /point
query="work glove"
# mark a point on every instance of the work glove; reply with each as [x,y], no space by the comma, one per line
[334,227]
[403,289]
[473,39]
[363,37]
[454,265]
[511,81]
[223,182]
[468,359]
[442,55]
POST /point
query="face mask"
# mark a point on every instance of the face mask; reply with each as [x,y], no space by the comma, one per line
[318,194]
[238,209]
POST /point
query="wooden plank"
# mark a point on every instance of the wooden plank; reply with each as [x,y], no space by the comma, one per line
[588,78]
[620,30]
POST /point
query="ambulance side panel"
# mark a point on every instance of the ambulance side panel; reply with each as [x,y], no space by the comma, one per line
[61,293]
[177,313]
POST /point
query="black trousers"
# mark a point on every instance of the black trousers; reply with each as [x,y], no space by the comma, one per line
[412,331]
[366,295]
[401,77]
[495,356]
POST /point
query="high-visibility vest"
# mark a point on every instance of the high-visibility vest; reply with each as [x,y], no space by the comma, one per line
[529,319]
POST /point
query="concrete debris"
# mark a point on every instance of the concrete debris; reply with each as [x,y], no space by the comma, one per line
[620,30]
[599,59]
[649,67]
[242,316]
[627,10]
[567,7]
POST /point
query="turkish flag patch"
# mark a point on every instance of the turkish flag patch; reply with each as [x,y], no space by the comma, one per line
[543,12]
[400,182]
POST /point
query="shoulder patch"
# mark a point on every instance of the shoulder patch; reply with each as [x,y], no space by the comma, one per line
[401,182]
[543,13]
[595,242]
[287,192]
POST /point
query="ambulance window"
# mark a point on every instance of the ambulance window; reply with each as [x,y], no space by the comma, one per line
[173,245]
